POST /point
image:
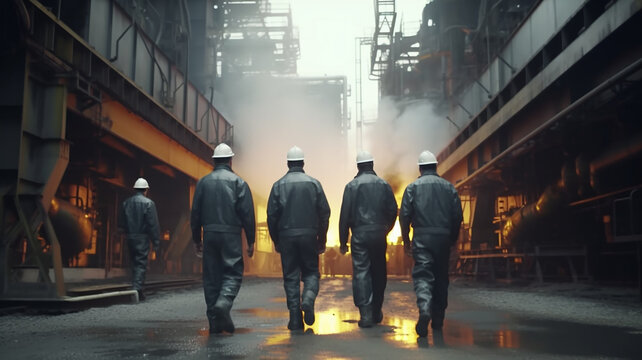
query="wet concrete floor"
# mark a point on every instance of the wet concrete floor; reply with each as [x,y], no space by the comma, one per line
[172,325]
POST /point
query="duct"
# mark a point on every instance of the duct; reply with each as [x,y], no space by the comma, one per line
[523,223]
[72,226]
[618,152]
[581,182]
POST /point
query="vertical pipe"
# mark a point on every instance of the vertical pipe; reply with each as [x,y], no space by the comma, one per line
[186,18]
[110,28]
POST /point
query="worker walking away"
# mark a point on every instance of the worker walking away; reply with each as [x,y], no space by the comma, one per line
[297,217]
[139,221]
[432,206]
[368,210]
[221,208]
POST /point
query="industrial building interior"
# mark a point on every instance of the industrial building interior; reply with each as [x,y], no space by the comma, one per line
[546,97]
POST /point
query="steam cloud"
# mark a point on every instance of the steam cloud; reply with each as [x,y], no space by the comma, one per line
[272,115]
[402,132]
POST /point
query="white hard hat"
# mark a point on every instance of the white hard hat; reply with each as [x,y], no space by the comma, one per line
[295,154]
[427,158]
[364,157]
[141,184]
[222,150]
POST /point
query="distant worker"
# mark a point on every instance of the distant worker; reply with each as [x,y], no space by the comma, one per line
[297,217]
[369,210]
[139,221]
[330,260]
[432,206]
[222,207]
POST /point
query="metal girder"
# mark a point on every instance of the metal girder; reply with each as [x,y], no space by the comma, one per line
[385,19]
[135,130]
[95,67]
[534,79]
[42,155]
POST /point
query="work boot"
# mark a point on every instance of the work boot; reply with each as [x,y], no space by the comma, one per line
[214,327]
[308,312]
[366,316]
[377,316]
[222,317]
[141,295]
[437,324]
[422,325]
[296,320]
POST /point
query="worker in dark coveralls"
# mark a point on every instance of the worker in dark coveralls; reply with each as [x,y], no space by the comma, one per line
[297,217]
[432,206]
[222,207]
[368,210]
[139,221]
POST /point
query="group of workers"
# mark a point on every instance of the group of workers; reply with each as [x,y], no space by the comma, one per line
[297,218]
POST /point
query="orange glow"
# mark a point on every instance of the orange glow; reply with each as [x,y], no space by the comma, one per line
[403,331]
[334,321]
[394,236]
[458,334]
[507,339]
[278,339]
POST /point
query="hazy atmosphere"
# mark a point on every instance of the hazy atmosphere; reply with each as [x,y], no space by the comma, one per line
[273,115]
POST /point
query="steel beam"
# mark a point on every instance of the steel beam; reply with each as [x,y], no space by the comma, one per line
[474,135]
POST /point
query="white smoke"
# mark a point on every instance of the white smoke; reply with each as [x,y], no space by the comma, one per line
[403,130]
[272,115]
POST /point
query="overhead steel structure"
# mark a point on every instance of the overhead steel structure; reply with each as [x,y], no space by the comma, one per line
[547,97]
[257,38]
[90,100]
[380,54]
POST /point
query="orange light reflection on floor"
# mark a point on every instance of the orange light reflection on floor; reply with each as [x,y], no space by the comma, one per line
[507,339]
[403,330]
[278,339]
[333,321]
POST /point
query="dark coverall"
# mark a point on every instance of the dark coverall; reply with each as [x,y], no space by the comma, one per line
[432,206]
[297,217]
[139,220]
[369,209]
[222,206]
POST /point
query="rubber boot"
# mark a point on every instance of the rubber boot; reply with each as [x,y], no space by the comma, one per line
[214,327]
[437,324]
[308,312]
[377,316]
[222,318]
[366,316]
[422,325]
[296,320]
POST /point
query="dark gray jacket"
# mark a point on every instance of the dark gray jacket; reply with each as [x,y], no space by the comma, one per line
[297,206]
[223,203]
[432,206]
[368,205]
[138,218]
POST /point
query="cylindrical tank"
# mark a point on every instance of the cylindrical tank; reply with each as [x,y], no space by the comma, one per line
[73,228]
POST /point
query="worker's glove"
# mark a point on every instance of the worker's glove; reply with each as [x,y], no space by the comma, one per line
[407,248]
[250,250]
[198,248]
[343,249]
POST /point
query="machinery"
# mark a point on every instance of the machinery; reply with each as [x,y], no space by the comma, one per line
[94,95]
[545,96]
